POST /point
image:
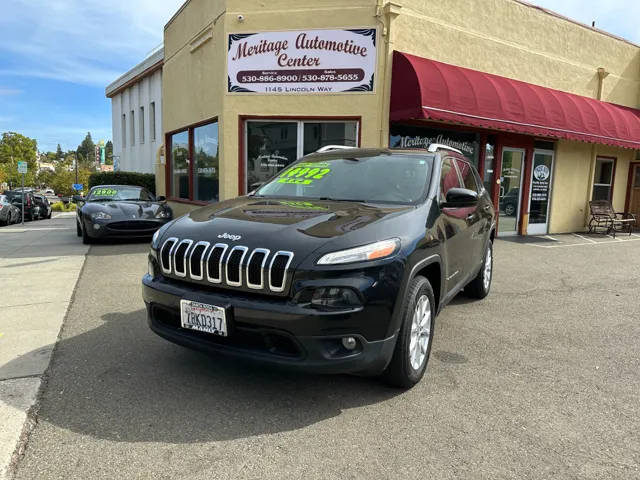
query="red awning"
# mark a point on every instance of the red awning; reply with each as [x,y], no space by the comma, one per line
[426,89]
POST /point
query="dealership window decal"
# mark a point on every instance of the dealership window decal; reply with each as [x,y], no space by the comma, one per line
[313,61]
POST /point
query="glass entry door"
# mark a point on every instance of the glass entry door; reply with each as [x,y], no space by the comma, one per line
[510,190]
[540,192]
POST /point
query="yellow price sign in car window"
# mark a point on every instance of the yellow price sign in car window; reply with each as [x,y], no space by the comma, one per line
[304,173]
[105,192]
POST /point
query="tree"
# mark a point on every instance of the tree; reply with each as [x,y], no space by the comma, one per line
[59,153]
[108,153]
[86,150]
[65,176]
[15,147]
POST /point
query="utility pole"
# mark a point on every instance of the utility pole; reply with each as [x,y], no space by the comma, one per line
[75,161]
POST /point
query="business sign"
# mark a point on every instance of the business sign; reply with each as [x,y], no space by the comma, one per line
[22,167]
[405,136]
[302,61]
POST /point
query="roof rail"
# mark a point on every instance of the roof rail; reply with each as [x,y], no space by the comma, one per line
[328,148]
[434,147]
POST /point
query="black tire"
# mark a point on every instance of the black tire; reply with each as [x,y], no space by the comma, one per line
[86,239]
[401,372]
[478,287]
[49,216]
[78,229]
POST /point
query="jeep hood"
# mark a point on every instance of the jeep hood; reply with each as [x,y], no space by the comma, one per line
[282,224]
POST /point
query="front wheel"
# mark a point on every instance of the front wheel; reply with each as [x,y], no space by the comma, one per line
[415,337]
[479,287]
[78,229]
[86,239]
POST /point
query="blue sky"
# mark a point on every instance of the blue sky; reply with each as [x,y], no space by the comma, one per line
[57,56]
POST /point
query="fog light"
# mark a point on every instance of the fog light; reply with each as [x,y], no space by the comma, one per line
[349,343]
[96,226]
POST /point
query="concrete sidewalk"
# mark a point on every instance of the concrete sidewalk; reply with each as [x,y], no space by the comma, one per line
[40,264]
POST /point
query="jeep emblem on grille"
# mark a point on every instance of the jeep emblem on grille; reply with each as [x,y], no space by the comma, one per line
[229,236]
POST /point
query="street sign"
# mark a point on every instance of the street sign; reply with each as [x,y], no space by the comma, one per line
[22,167]
[77,186]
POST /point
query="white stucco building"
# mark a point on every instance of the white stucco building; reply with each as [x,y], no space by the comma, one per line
[136,115]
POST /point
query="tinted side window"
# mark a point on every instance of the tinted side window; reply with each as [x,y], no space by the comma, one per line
[448,177]
[466,172]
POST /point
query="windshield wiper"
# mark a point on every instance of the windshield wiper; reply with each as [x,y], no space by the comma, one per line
[331,199]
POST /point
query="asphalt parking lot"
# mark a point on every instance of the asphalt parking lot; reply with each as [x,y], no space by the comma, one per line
[539,380]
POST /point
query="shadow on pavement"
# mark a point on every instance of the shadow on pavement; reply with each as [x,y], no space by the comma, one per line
[120,382]
[119,247]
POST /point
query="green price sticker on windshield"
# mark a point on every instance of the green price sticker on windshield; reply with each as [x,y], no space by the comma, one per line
[304,173]
[105,192]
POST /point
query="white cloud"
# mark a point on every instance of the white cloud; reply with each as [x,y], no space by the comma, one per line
[9,91]
[88,42]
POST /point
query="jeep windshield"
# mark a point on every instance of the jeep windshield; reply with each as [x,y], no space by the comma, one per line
[383,178]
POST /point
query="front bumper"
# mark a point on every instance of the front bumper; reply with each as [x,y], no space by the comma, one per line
[118,228]
[269,330]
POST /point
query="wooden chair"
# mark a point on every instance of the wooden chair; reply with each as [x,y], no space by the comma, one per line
[605,220]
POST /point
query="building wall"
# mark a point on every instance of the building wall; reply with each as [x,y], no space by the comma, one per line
[508,38]
[503,37]
[141,155]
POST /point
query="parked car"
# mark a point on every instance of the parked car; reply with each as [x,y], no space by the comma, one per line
[8,213]
[31,208]
[123,211]
[339,264]
[49,191]
[45,207]
[509,203]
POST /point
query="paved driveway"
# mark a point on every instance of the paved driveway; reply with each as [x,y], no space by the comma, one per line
[539,380]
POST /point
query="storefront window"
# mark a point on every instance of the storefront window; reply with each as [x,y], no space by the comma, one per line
[319,134]
[272,144]
[603,179]
[180,165]
[203,171]
[206,167]
[411,136]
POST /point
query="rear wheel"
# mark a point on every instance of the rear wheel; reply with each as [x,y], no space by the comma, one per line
[479,287]
[415,337]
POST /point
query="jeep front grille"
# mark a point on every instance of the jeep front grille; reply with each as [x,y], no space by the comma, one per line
[227,266]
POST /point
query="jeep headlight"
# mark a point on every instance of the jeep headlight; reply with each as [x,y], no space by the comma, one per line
[372,251]
[100,216]
[163,214]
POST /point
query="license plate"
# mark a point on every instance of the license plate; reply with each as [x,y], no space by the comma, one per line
[203,317]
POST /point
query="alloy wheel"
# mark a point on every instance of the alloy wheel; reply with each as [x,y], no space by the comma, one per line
[488,265]
[420,332]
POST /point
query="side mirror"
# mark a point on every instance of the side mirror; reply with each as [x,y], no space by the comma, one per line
[161,198]
[460,197]
[77,199]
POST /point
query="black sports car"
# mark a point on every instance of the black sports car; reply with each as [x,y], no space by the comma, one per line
[122,211]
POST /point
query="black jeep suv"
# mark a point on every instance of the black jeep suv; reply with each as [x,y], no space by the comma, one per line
[340,263]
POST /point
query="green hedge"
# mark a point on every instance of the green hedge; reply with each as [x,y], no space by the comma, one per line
[147,180]
[61,207]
